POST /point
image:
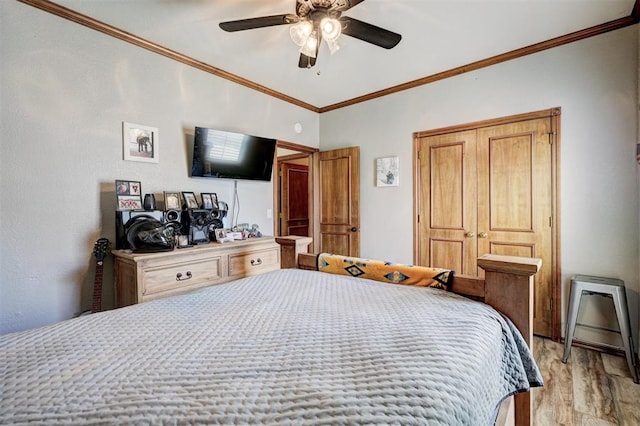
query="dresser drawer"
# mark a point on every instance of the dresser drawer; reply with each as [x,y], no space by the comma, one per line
[254,262]
[141,277]
[180,277]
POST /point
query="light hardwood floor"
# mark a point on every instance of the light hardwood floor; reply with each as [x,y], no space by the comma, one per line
[591,389]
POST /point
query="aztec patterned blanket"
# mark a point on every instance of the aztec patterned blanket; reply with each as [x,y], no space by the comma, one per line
[388,272]
[287,347]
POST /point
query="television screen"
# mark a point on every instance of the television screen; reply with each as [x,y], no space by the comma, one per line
[228,155]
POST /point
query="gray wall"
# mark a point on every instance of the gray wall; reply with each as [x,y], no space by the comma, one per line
[66,90]
[594,81]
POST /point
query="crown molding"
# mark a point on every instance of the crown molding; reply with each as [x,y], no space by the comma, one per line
[87,21]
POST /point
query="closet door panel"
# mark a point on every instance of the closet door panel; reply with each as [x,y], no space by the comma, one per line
[447,202]
[514,201]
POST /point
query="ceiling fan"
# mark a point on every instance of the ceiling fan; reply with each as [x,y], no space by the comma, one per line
[317,20]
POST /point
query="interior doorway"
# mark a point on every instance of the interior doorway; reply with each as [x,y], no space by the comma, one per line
[293,190]
[317,194]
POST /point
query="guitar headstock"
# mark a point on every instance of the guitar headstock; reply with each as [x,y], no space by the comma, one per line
[100,249]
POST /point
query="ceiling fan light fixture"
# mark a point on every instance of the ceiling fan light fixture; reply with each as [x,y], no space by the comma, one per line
[315,20]
[300,32]
[333,46]
[310,47]
[331,29]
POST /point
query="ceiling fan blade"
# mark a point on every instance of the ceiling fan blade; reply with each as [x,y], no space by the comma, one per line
[348,4]
[261,22]
[369,33]
[306,61]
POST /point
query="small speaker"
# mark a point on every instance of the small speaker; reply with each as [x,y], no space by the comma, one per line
[149,202]
[172,216]
[224,208]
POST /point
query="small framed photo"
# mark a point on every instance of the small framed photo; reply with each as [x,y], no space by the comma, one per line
[140,143]
[171,200]
[209,200]
[388,171]
[214,201]
[128,195]
[183,241]
[190,200]
[221,235]
[206,200]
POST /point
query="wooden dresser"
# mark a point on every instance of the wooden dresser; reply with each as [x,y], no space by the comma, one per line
[140,277]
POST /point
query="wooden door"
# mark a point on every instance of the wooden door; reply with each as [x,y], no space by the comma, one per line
[489,189]
[514,202]
[448,210]
[295,199]
[339,192]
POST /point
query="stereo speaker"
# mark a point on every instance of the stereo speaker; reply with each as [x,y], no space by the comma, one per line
[172,216]
[198,223]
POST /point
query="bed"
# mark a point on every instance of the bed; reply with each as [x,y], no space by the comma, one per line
[291,346]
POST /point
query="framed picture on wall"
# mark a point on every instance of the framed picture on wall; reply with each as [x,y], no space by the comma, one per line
[140,143]
[128,195]
[387,171]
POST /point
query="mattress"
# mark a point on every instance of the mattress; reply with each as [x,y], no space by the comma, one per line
[286,347]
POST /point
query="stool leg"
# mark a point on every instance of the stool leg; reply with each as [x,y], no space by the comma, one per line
[620,303]
[572,316]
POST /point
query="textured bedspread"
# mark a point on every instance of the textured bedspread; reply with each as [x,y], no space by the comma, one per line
[288,347]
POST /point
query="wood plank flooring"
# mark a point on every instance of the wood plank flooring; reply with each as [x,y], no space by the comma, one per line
[591,389]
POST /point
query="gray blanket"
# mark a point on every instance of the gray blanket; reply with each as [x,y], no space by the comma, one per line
[288,347]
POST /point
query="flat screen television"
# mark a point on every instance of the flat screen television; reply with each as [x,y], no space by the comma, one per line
[228,155]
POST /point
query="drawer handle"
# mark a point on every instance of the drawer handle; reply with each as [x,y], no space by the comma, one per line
[179,276]
[256,262]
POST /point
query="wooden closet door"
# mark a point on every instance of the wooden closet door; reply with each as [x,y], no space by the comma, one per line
[489,189]
[447,215]
[514,202]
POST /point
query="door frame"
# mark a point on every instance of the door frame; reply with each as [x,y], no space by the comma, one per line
[300,151]
[554,140]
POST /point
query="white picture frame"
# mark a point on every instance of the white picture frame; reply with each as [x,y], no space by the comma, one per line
[140,143]
[221,235]
[387,171]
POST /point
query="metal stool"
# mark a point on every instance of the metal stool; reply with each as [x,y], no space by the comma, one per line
[608,287]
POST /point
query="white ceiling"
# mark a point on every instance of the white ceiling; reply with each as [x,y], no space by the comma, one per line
[437,35]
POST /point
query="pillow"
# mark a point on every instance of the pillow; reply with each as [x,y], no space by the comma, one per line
[388,272]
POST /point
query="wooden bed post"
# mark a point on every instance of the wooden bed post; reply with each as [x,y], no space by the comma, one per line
[509,289]
[290,247]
